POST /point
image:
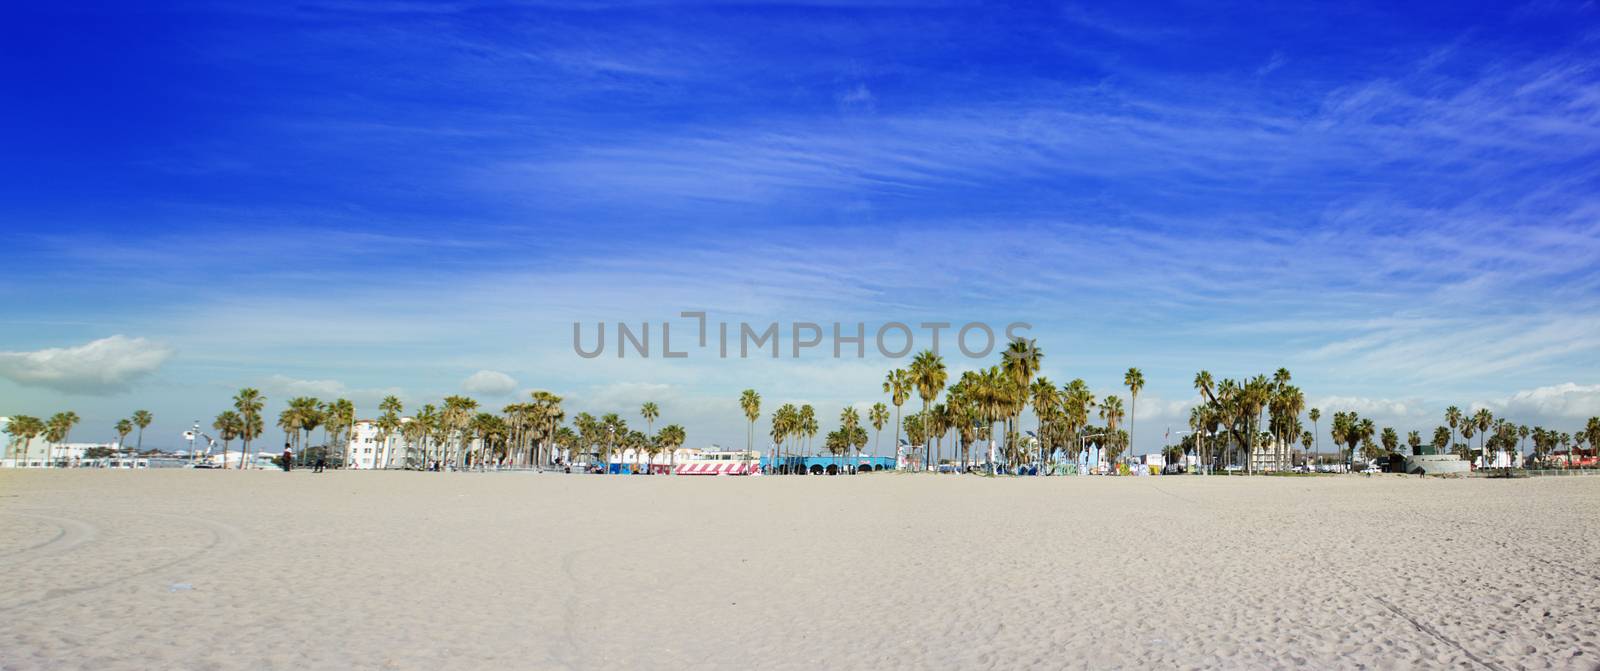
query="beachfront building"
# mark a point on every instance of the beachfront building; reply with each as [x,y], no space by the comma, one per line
[368,450]
[1154,460]
[1500,459]
[365,450]
[40,454]
[662,462]
[1574,458]
[1272,455]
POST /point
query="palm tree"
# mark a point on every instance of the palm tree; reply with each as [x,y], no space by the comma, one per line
[312,414]
[1452,418]
[649,412]
[339,418]
[1364,429]
[23,429]
[1134,380]
[1020,361]
[784,424]
[858,440]
[878,416]
[1046,408]
[613,430]
[1076,403]
[141,419]
[671,438]
[1111,413]
[388,424]
[849,421]
[56,432]
[1342,428]
[248,402]
[124,427]
[928,375]
[1591,430]
[416,432]
[456,423]
[750,403]
[898,386]
[1315,415]
[228,426]
[1197,423]
[289,422]
[565,437]
[304,414]
[1204,384]
[807,426]
[544,417]
[1483,419]
[489,430]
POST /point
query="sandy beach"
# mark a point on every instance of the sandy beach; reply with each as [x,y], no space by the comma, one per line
[229,570]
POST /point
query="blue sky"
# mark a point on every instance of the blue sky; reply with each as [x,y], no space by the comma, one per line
[1401,204]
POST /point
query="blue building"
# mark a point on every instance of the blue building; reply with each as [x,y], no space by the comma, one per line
[821,465]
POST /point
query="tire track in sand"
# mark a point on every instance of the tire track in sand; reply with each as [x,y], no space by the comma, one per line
[1423,626]
[70,533]
[569,619]
[225,539]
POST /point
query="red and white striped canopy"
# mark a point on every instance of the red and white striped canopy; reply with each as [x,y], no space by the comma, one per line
[719,468]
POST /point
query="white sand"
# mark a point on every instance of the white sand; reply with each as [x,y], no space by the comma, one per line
[471,571]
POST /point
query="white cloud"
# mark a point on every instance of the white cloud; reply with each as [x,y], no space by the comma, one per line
[288,386]
[1157,408]
[103,366]
[1567,401]
[492,382]
[281,388]
[1383,408]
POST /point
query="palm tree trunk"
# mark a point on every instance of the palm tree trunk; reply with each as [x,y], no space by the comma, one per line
[897,435]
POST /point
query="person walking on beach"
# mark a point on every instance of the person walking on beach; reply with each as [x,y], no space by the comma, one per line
[288,458]
[322,464]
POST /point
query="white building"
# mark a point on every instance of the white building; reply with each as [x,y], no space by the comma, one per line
[366,451]
[39,453]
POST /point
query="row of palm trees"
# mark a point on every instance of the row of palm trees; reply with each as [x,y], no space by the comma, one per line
[23,429]
[986,406]
[970,411]
[1231,413]
[1500,434]
[1257,421]
[455,433]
